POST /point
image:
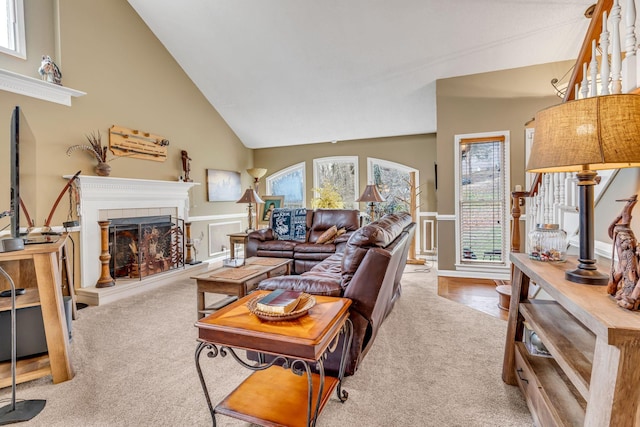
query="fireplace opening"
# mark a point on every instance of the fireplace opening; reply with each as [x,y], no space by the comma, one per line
[144,246]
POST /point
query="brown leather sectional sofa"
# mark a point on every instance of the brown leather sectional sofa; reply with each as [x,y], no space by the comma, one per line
[307,254]
[368,271]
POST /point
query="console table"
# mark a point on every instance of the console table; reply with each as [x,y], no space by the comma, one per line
[38,269]
[592,378]
[273,395]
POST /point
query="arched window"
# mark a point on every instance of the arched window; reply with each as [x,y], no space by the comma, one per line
[290,183]
[340,172]
[392,181]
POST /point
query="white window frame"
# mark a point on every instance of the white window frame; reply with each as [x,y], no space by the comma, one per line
[336,159]
[15,22]
[499,268]
[389,164]
[285,171]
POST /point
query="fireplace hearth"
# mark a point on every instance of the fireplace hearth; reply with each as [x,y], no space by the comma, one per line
[144,246]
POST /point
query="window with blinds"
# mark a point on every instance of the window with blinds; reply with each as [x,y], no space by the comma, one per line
[483,199]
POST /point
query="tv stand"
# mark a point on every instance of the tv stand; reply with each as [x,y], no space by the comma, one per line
[37,268]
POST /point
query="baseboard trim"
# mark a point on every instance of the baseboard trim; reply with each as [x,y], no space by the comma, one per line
[474,274]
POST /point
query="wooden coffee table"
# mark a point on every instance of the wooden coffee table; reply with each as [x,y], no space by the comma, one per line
[284,391]
[237,281]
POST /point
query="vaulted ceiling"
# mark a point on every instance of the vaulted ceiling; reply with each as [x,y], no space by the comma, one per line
[288,72]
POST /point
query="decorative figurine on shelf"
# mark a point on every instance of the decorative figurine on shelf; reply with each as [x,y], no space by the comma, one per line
[623,278]
[50,71]
[186,165]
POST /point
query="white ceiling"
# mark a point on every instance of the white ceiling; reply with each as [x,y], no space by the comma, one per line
[288,72]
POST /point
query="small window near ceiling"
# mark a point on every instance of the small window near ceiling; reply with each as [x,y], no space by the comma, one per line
[289,183]
[12,40]
[341,173]
[482,211]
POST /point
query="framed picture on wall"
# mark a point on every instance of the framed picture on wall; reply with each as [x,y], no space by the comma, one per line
[265,209]
[223,186]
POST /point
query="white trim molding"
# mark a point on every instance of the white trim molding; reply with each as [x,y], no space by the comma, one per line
[34,88]
[495,273]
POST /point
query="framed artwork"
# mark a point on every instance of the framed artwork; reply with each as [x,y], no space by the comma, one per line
[223,186]
[265,209]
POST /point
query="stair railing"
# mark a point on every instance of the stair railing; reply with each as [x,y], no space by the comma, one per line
[553,194]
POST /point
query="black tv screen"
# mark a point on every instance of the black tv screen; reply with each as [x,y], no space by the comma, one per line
[15,173]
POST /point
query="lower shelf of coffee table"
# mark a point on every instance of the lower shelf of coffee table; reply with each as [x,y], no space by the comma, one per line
[275,396]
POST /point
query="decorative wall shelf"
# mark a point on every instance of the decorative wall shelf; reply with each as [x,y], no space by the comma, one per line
[28,86]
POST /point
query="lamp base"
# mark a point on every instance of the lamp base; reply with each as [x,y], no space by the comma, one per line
[24,411]
[586,277]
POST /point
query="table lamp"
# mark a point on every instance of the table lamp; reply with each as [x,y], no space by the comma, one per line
[583,136]
[371,195]
[256,174]
[250,196]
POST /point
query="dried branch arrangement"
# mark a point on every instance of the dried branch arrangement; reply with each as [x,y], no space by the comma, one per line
[95,147]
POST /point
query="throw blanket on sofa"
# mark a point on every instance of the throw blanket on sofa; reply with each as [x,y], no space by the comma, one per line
[290,224]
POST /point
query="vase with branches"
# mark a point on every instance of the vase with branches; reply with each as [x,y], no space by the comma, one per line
[95,149]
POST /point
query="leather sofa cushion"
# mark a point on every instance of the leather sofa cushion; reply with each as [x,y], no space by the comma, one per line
[324,219]
[311,282]
[277,245]
[314,248]
[332,264]
[274,254]
[379,233]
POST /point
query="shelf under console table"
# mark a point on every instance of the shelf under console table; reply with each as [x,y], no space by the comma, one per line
[593,375]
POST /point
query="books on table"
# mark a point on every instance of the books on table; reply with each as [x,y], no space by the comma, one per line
[280,301]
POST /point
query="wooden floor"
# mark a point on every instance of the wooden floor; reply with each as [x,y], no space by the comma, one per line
[476,293]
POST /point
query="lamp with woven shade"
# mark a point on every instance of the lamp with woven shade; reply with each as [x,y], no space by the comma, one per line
[250,196]
[371,195]
[584,136]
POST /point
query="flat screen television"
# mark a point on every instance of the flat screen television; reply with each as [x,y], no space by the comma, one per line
[15,173]
[14,243]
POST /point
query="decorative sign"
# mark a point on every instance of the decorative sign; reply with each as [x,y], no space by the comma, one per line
[137,144]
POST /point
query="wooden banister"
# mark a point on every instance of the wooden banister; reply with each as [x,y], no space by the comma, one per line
[593,33]
[585,56]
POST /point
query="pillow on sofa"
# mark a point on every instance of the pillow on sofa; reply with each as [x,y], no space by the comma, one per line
[290,224]
[328,235]
[338,234]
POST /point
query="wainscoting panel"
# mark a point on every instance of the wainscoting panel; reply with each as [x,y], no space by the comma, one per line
[427,238]
[218,239]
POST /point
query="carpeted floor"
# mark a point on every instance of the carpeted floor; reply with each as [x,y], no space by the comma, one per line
[434,363]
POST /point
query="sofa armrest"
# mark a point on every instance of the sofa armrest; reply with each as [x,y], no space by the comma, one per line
[257,236]
[262,235]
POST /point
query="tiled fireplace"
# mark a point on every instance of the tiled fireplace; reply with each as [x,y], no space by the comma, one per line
[109,198]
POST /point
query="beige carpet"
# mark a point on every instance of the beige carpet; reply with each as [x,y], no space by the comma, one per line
[435,363]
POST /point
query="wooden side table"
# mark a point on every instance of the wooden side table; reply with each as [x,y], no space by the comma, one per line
[237,239]
[297,344]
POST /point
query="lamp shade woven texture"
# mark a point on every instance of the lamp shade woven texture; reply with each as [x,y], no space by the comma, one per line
[601,132]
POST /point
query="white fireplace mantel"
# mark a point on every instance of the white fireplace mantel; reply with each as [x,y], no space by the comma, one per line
[102,196]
